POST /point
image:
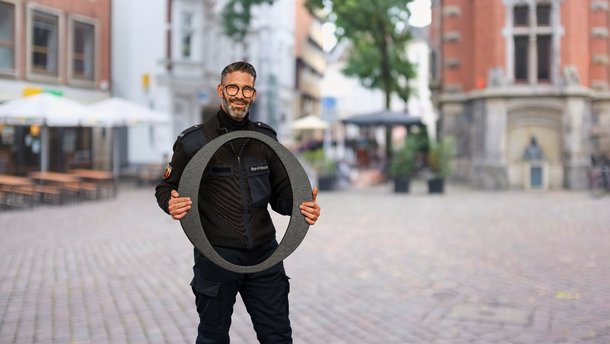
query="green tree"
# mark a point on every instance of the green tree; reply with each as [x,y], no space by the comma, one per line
[379,32]
[237,15]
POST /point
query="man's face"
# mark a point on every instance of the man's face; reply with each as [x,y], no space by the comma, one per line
[237,105]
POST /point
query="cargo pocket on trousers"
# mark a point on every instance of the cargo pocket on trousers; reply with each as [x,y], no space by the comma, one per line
[206,299]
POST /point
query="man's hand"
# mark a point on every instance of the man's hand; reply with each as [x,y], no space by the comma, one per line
[311,210]
[178,206]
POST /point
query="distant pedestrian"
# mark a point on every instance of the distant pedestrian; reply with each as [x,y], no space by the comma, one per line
[241,179]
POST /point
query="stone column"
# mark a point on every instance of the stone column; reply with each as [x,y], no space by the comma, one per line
[576,121]
[495,169]
[452,125]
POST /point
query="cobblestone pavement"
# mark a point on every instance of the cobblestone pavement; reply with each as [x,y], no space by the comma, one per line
[465,267]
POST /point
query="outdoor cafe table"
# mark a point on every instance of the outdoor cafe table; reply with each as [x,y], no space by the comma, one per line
[100,177]
[68,183]
[97,175]
[11,185]
[27,190]
[54,177]
[13,181]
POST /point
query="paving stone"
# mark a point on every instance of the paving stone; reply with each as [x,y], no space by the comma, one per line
[490,314]
[376,269]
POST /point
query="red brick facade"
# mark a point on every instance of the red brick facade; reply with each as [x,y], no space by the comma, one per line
[480,44]
[97,11]
[508,71]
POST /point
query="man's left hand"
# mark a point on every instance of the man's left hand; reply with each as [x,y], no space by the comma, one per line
[311,210]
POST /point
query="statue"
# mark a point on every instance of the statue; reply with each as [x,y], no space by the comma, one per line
[533,151]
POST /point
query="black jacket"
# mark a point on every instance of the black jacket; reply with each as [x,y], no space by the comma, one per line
[240,180]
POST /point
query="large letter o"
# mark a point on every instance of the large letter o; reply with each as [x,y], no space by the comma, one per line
[301,192]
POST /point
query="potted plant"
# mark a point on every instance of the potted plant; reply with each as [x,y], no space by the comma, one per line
[403,164]
[325,168]
[439,163]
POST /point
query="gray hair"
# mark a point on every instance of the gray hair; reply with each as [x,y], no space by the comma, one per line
[240,66]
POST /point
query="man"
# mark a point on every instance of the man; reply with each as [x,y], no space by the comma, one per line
[241,179]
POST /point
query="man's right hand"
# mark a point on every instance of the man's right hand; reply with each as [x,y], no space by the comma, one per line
[178,206]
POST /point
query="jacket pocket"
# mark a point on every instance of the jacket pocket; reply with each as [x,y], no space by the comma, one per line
[260,184]
[220,170]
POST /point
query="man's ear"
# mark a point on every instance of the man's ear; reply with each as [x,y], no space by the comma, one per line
[219,90]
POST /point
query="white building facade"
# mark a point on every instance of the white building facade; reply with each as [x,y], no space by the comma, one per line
[168,55]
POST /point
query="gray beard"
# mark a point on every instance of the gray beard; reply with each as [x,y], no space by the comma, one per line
[235,114]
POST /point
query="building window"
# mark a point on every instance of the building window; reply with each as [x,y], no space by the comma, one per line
[521,15]
[543,14]
[45,43]
[7,36]
[186,35]
[433,65]
[543,47]
[521,62]
[533,41]
[83,51]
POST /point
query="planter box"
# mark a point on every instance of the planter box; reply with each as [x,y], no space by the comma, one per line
[401,184]
[436,185]
[326,183]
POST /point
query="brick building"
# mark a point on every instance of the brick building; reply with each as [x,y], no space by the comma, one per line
[61,47]
[56,42]
[506,71]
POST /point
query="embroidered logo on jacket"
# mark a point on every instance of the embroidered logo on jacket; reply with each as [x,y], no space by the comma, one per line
[259,168]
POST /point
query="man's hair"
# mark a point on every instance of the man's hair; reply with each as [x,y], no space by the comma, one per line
[238,67]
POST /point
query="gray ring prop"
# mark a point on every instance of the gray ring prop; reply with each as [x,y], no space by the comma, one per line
[301,192]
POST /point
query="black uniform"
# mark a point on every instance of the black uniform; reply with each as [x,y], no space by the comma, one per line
[240,180]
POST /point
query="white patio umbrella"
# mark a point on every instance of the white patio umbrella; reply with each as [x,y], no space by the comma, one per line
[309,122]
[124,112]
[48,110]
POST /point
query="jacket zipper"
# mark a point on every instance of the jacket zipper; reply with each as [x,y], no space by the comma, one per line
[243,194]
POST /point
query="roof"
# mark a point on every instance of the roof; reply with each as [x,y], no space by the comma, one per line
[384,117]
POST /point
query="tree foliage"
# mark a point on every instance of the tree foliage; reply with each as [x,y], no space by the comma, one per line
[237,15]
[379,32]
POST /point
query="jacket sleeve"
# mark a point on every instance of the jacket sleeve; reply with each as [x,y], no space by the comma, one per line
[171,179]
[281,192]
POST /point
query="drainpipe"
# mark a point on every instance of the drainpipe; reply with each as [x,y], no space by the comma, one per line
[441,71]
[168,36]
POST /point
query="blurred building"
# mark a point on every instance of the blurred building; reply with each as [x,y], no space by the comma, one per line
[138,49]
[310,63]
[504,72]
[168,54]
[60,47]
[349,97]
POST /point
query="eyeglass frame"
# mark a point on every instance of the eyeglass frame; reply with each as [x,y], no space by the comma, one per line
[242,88]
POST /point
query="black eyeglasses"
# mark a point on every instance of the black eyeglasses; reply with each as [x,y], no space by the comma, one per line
[247,91]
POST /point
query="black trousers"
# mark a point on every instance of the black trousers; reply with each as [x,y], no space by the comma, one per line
[265,295]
